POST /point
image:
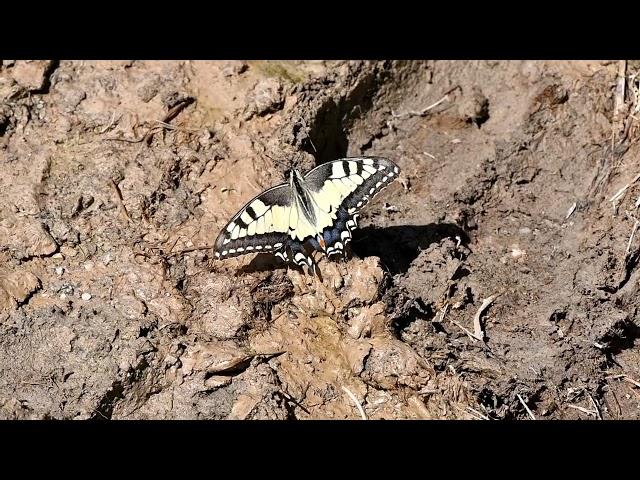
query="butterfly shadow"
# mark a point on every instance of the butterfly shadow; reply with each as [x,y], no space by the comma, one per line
[263,262]
[398,246]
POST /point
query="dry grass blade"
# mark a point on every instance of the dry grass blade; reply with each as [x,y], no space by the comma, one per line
[473,412]
[355,400]
[620,88]
[479,414]
[119,200]
[294,401]
[191,249]
[109,125]
[176,127]
[466,330]
[632,382]
[634,89]
[620,193]
[533,417]
[633,233]
[595,407]
[424,111]
[583,410]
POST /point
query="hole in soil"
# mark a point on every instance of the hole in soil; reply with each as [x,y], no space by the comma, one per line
[622,338]
[331,124]
[105,408]
[327,135]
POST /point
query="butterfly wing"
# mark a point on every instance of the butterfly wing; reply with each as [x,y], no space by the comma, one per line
[350,182]
[262,225]
[342,188]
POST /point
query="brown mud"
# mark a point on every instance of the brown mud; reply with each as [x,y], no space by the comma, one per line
[112,174]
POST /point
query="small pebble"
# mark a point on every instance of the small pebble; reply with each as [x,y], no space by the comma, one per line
[68,251]
[59,270]
[86,296]
[58,256]
[63,296]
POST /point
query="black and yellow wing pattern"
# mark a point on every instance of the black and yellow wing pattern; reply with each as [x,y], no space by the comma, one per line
[317,211]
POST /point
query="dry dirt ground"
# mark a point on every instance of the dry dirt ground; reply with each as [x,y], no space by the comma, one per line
[113,174]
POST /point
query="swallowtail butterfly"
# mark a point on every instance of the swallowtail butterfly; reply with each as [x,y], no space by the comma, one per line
[316,211]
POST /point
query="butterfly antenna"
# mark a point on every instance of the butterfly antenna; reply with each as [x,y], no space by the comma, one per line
[312,145]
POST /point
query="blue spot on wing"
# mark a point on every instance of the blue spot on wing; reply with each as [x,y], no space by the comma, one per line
[332,235]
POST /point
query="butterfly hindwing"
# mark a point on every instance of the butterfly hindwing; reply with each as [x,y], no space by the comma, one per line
[262,225]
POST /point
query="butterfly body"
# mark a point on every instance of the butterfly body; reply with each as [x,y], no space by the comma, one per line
[316,211]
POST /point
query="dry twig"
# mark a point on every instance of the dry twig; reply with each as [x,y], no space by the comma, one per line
[533,417]
[633,233]
[109,125]
[477,326]
[625,378]
[620,88]
[595,407]
[481,415]
[116,189]
[465,330]
[620,193]
[424,111]
[583,410]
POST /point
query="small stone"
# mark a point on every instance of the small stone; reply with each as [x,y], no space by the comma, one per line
[68,251]
[217,381]
[234,68]
[58,256]
[59,270]
[130,307]
[150,89]
[266,97]
[86,296]
[475,107]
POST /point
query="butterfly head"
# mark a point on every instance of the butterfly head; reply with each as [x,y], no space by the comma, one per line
[295,179]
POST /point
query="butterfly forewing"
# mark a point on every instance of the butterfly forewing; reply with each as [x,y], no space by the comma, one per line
[350,182]
[261,225]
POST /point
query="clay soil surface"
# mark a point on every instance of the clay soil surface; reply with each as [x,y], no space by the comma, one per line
[495,279]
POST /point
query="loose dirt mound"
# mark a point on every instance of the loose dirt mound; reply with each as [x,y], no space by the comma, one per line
[113,174]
